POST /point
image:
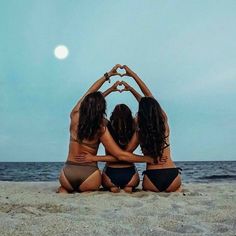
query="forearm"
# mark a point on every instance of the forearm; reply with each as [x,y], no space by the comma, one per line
[131,148]
[136,94]
[132,158]
[111,147]
[97,85]
[107,92]
[142,85]
[94,88]
[143,159]
[106,158]
[122,155]
[129,157]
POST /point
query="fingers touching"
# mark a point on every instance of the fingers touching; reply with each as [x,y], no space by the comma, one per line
[121,70]
[117,84]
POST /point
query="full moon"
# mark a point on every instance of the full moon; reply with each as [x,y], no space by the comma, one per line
[61,52]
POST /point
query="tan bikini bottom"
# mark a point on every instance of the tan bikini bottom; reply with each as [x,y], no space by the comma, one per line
[76,174]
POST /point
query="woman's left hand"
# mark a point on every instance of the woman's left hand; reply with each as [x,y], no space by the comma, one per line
[127,87]
[128,71]
[162,160]
[115,85]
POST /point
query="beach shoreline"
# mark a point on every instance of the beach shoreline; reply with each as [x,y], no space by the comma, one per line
[33,208]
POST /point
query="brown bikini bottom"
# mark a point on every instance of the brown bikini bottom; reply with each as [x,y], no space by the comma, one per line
[76,173]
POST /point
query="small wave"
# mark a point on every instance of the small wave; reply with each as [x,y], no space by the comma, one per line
[219,177]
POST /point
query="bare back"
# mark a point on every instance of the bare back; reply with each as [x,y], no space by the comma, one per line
[86,146]
[166,152]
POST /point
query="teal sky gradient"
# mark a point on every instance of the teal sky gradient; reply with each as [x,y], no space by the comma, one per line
[184,50]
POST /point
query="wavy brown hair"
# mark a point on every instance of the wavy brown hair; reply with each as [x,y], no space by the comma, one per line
[91,114]
[151,124]
[121,125]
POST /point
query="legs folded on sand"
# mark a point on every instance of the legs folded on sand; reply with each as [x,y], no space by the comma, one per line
[115,179]
[73,180]
[157,182]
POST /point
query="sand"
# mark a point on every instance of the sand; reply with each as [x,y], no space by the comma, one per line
[35,209]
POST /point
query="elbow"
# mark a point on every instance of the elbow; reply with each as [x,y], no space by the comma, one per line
[139,99]
[72,114]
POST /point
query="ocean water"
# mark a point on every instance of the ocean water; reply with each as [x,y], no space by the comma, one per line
[201,172]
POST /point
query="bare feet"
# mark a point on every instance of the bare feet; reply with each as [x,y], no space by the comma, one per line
[115,189]
[61,190]
[128,189]
[179,189]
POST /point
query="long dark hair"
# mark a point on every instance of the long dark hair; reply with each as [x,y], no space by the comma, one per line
[91,113]
[121,125]
[151,124]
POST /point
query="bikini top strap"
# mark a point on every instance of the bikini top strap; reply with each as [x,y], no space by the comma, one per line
[166,145]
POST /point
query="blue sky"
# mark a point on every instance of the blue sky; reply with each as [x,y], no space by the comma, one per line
[184,50]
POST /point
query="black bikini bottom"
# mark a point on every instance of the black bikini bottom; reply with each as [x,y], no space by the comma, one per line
[76,174]
[120,176]
[162,178]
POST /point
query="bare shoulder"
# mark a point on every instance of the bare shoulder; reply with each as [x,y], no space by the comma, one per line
[103,126]
[105,121]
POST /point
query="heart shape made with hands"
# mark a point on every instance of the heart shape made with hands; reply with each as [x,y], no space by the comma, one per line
[121,71]
[120,87]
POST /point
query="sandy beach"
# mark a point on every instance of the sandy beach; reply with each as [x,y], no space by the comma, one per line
[33,208]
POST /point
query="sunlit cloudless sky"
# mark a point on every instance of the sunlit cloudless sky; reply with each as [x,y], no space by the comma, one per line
[185,51]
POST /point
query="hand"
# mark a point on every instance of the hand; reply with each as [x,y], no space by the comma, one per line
[114,86]
[128,71]
[151,161]
[113,71]
[162,160]
[127,87]
[85,158]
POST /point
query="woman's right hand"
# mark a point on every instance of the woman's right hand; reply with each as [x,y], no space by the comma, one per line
[115,85]
[113,71]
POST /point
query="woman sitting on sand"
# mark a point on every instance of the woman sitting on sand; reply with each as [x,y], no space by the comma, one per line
[153,136]
[116,174]
[121,175]
[87,130]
